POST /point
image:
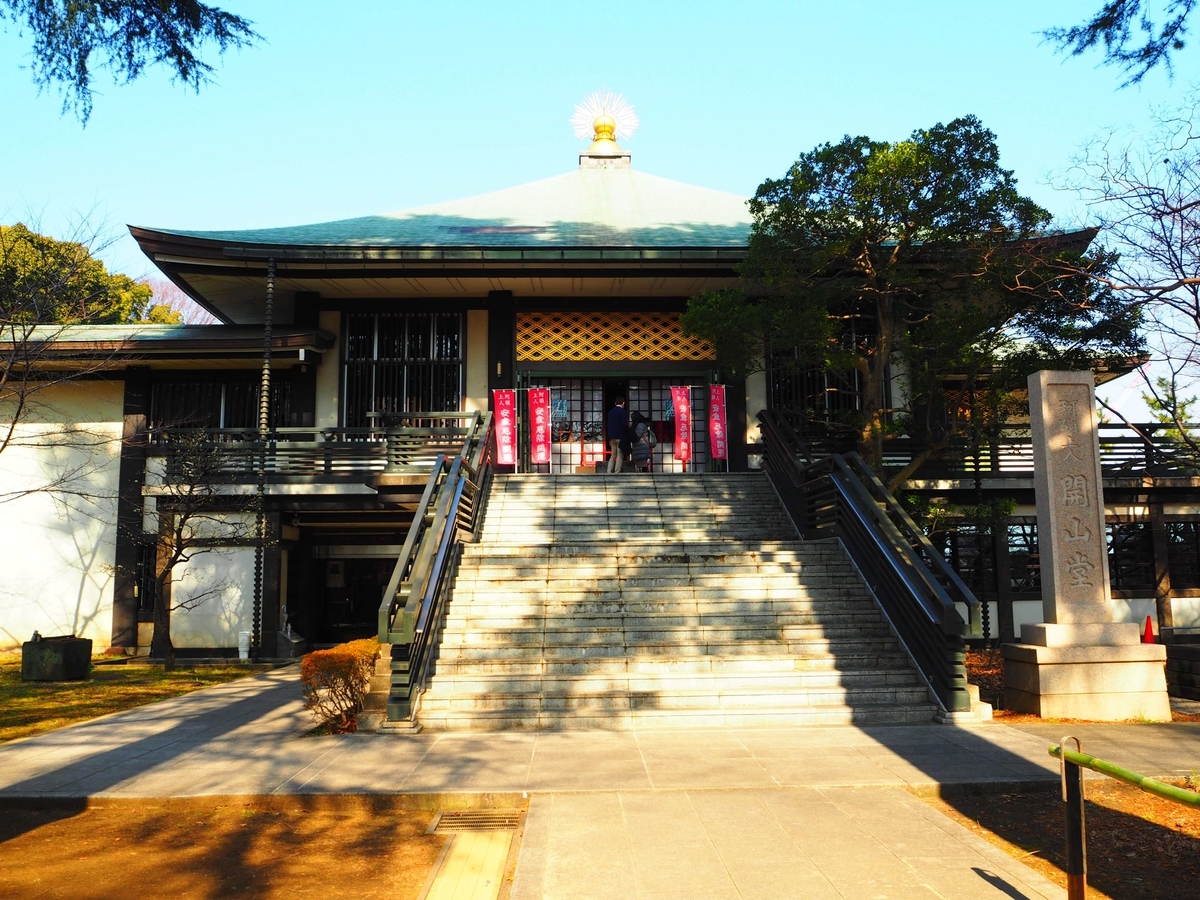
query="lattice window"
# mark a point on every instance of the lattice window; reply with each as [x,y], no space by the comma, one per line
[605,337]
[401,362]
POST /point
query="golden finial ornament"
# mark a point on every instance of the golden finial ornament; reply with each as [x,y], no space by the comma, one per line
[604,117]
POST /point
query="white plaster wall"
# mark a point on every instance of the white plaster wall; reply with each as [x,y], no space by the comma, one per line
[756,402]
[1185,612]
[58,540]
[476,375]
[224,580]
[329,373]
[1026,612]
[1134,611]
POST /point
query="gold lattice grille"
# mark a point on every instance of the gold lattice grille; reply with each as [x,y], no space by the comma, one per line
[605,337]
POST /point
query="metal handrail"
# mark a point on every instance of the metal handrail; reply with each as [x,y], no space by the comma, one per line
[944,580]
[1071,763]
[834,497]
[1112,770]
[450,513]
[393,593]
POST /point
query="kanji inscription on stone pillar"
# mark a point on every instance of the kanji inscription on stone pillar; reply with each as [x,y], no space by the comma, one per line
[1072,545]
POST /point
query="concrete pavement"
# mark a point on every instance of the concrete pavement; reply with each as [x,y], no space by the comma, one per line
[800,811]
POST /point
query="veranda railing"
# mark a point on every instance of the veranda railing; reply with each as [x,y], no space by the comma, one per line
[1137,448]
[409,442]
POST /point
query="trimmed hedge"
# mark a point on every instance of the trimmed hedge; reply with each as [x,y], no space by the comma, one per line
[335,683]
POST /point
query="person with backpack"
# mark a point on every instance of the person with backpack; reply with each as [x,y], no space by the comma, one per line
[643,439]
[618,429]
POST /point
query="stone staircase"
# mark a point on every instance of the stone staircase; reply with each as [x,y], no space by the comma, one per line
[659,601]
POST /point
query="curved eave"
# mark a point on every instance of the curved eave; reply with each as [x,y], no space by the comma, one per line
[196,263]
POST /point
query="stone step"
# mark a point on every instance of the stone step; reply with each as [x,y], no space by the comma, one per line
[667,683]
[619,602]
[542,701]
[814,647]
[619,665]
[522,606]
[636,632]
[826,548]
[622,720]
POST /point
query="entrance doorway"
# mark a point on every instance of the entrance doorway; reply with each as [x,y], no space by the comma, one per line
[578,407]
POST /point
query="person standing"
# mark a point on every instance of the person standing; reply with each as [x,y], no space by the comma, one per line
[643,440]
[618,424]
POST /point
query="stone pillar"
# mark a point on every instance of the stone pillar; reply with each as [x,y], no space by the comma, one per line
[1078,663]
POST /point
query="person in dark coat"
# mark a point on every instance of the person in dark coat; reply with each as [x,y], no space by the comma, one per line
[618,424]
[643,443]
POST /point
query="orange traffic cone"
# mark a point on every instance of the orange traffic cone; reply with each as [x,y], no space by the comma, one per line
[1148,634]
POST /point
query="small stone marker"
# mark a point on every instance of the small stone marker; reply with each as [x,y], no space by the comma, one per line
[1078,663]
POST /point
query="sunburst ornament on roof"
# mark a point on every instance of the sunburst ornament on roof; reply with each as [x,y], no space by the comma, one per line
[600,105]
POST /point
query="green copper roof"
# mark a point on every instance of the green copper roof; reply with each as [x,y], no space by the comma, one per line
[617,207]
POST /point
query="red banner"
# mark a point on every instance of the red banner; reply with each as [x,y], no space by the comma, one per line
[505,408]
[718,433]
[539,425]
[681,399]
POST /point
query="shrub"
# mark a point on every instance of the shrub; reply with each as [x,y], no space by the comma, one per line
[335,683]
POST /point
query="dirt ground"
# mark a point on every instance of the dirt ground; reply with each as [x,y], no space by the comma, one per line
[204,850]
[1138,846]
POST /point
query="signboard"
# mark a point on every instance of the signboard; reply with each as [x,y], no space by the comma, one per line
[718,434]
[539,425]
[504,404]
[681,400]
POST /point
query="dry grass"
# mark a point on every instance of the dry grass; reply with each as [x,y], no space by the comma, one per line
[32,707]
[1139,847]
[197,850]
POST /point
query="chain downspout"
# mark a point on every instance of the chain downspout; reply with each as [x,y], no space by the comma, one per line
[264,432]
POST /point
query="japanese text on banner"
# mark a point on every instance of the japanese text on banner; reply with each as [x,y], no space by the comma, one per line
[505,405]
[718,434]
[539,425]
[681,399]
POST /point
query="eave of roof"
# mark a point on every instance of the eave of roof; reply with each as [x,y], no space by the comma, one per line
[150,341]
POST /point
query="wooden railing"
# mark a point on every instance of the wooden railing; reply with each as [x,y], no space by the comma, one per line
[449,514]
[409,443]
[1124,450]
[839,496]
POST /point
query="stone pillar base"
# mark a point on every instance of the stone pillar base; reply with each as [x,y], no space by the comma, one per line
[1103,683]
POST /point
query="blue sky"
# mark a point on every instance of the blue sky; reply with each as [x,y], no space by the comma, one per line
[367,107]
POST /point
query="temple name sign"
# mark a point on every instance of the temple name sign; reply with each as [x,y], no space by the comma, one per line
[1072,545]
[1078,663]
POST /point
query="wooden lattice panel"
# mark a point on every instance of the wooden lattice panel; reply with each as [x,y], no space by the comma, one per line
[605,337]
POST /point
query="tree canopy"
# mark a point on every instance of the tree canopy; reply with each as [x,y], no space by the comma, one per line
[1135,37]
[870,257]
[72,39]
[44,281]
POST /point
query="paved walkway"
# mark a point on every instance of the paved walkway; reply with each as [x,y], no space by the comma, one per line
[812,812]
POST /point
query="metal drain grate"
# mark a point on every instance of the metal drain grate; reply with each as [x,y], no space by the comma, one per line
[452,821]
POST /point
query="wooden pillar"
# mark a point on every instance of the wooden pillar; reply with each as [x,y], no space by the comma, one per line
[304,395]
[735,425]
[502,342]
[1162,568]
[130,479]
